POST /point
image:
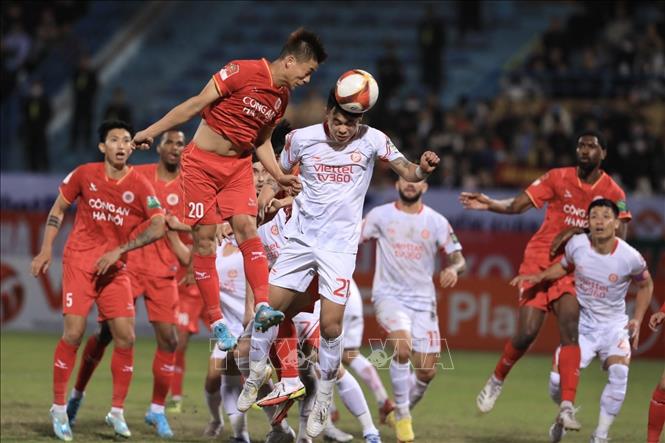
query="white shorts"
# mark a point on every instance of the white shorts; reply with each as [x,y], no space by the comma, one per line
[354,322]
[423,326]
[298,263]
[233,316]
[307,323]
[603,343]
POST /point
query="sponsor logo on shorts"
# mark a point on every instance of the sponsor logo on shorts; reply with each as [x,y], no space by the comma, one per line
[252,202]
[128,197]
[201,275]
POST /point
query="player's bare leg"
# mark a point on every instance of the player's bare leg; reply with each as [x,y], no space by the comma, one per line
[567,312]
[368,373]
[64,360]
[207,280]
[122,368]
[256,269]
[162,371]
[425,371]
[656,412]
[330,358]
[529,322]
[259,370]
[175,404]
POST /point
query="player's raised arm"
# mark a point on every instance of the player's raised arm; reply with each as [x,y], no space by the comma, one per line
[42,261]
[412,172]
[155,230]
[182,113]
[481,202]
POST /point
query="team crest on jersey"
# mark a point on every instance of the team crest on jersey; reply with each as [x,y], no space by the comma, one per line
[424,234]
[233,273]
[153,202]
[356,156]
[278,104]
[128,197]
[172,199]
[274,230]
[613,278]
[228,70]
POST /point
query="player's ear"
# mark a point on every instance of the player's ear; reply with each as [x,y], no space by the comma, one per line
[425,187]
[102,148]
[290,60]
[603,154]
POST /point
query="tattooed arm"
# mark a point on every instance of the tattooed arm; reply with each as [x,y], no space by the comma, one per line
[456,265]
[42,261]
[153,232]
[413,172]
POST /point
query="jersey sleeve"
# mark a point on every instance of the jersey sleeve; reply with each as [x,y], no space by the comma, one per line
[231,77]
[370,227]
[542,190]
[619,198]
[290,155]
[385,148]
[446,238]
[70,188]
[149,202]
[638,267]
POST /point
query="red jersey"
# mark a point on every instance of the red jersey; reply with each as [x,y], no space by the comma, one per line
[107,211]
[249,101]
[157,259]
[568,199]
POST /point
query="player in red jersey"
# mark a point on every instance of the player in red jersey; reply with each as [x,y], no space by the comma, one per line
[113,199]
[152,272]
[567,192]
[240,106]
[657,404]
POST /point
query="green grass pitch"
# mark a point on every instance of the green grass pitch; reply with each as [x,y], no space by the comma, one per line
[446,414]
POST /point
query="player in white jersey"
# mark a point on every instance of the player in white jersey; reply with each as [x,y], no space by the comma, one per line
[336,161]
[409,237]
[604,267]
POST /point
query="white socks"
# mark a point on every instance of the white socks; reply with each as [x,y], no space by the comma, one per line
[260,344]
[230,391]
[368,374]
[612,398]
[399,376]
[353,398]
[555,387]
[156,409]
[417,391]
[330,357]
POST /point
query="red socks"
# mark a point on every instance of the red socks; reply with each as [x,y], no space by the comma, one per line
[92,355]
[122,368]
[256,268]
[178,374]
[286,348]
[656,415]
[162,373]
[569,368]
[508,359]
[64,360]
[205,274]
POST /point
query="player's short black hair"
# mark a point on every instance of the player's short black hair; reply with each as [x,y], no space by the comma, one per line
[108,125]
[304,45]
[332,105]
[166,133]
[591,133]
[606,203]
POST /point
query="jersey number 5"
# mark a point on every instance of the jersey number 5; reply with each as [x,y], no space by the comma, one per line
[343,291]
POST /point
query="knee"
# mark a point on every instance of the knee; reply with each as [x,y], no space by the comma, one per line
[170,344]
[73,337]
[569,332]
[244,228]
[402,353]
[425,375]
[618,376]
[524,338]
[212,383]
[125,339]
[331,330]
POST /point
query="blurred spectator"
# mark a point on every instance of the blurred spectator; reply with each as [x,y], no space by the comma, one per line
[308,112]
[468,18]
[84,89]
[390,75]
[432,42]
[36,117]
[118,108]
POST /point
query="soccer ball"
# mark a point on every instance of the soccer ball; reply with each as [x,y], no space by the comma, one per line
[356,91]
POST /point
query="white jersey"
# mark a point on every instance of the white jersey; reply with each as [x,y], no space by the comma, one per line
[232,283]
[327,213]
[602,281]
[407,245]
[272,235]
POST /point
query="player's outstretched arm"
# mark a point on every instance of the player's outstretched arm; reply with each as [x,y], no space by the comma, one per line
[155,230]
[481,202]
[456,265]
[266,156]
[182,113]
[182,252]
[174,224]
[554,272]
[642,301]
[42,261]
[412,172]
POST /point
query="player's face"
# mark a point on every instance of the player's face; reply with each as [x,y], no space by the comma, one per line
[117,147]
[589,153]
[299,73]
[410,192]
[259,176]
[342,127]
[170,148]
[602,223]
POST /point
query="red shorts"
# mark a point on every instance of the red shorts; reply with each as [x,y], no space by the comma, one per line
[190,309]
[542,295]
[160,295]
[216,187]
[111,292]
